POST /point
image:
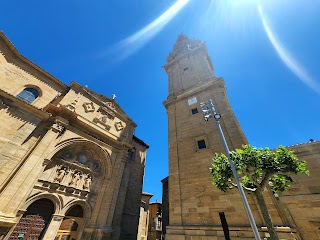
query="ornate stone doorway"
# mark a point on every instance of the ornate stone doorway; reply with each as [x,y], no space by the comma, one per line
[72,224]
[34,222]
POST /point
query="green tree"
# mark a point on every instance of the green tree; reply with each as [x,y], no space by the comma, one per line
[258,168]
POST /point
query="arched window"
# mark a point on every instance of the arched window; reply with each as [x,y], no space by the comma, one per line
[28,94]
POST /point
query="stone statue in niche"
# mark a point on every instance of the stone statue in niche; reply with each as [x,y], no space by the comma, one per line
[60,174]
[75,179]
[87,182]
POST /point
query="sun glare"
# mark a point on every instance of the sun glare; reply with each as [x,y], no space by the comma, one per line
[137,40]
[238,16]
[286,57]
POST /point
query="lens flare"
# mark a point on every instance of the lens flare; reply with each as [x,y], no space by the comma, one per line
[285,56]
[137,40]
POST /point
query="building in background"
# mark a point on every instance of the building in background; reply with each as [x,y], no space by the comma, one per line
[155,221]
[144,216]
[71,167]
[196,208]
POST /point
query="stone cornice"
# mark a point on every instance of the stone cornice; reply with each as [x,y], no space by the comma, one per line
[23,105]
[188,93]
[305,149]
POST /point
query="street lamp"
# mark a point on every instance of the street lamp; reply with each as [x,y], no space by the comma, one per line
[209,111]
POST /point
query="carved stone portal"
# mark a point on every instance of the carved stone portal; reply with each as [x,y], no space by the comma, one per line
[73,170]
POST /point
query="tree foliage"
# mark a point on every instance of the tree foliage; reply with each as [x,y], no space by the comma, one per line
[257,168]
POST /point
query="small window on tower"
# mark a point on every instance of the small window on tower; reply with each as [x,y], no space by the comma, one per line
[185,69]
[201,144]
[194,111]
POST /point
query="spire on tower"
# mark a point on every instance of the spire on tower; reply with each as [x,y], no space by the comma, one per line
[182,46]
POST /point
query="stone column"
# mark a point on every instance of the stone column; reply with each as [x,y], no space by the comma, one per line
[53,227]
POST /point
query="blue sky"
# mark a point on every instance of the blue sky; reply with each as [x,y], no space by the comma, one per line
[267,52]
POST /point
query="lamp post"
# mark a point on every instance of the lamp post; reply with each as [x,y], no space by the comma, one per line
[209,111]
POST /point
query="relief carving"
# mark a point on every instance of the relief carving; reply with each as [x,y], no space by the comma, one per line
[104,118]
[109,113]
[75,170]
[87,182]
[75,179]
[88,107]
[57,127]
[60,174]
[72,106]
[111,105]
[119,126]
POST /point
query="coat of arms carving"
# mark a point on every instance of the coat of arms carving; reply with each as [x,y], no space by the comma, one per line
[104,118]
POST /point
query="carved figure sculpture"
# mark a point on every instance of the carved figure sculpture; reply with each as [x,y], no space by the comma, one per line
[60,175]
[75,179]
[87,183]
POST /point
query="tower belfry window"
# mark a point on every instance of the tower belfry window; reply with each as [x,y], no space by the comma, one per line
[28,95]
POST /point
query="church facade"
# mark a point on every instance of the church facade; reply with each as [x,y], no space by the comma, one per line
[198,210]
[70,165]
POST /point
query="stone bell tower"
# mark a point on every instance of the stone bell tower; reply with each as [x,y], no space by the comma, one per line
[196,205]
[197,209]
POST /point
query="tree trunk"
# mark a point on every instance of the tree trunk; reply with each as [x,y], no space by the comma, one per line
[265,214]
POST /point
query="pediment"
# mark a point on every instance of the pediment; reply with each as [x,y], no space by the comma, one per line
[97,111]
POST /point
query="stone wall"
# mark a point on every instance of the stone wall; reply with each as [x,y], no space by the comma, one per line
[194,203]
[302,201]
[70,146]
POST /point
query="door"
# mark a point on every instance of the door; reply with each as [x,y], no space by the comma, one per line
[34,221]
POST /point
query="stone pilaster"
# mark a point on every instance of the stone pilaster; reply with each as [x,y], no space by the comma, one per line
[53,227]
[16,192]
